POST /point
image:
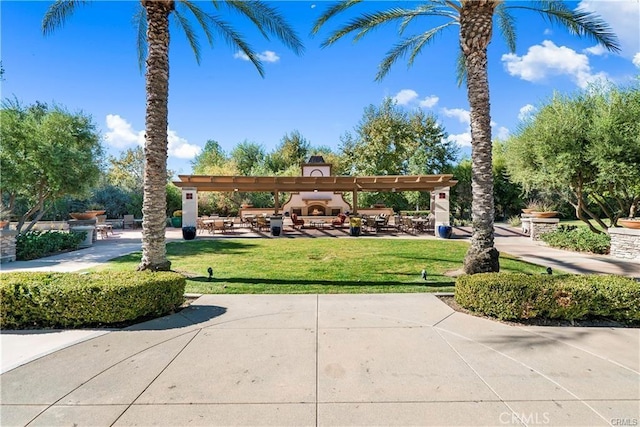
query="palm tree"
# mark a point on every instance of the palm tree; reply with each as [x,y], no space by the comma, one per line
[475,19]
[153,23]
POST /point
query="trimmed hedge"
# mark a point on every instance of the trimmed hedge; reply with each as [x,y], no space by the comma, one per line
[520,296]
[86,299]
[579,239]
[37,244]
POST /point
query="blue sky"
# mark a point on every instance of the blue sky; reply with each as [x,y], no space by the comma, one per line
[90,64]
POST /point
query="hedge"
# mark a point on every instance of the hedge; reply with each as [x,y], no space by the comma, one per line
[86,299]
[520,296]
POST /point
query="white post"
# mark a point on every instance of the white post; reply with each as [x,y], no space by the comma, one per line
[189,206]
[440,198]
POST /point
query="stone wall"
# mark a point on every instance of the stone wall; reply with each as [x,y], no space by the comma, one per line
[534,227]
[625,243]
[8,245]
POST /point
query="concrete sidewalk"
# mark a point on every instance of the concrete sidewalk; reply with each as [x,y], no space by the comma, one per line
[304,360]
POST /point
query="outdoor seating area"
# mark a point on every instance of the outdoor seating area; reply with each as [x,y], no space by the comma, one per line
[214,223]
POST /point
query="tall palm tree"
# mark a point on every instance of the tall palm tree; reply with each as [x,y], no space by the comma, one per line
[153,43]
[475,19]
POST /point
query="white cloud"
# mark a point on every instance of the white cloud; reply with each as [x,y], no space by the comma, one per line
[547,31]
[405,96]
[623,17]
[121,135]
[313,6]
[429,101]
[542,61]
[501,133]
[266,56]
[462,115]
[462,139]
[597,50]
[180,148]
[636,60]
[526,112]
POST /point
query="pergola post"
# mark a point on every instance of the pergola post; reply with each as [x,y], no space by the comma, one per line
[189,206]
[276,203]
[355,201]
[440,206]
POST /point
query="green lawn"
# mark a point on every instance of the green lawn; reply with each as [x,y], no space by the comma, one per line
[317,265]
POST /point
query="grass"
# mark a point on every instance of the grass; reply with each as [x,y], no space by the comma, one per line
[317,265]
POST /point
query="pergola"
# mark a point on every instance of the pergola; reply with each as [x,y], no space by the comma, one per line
[353,184]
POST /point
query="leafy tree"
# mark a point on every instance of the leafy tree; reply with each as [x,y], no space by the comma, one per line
[248,157]
[507,194]
[390,141]
[153,45]
[38,145]
[475,21]
[461,195]
[211,160]
[584,148]
[127,171]
[292,151]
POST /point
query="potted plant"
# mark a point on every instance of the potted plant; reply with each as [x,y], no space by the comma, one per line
[188,232]
[544,210]
[176,219]
[531,206]
[630,223]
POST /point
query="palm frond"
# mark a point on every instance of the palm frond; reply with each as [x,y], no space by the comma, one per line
[140,22]
[332,11]
[580,22]
[430,9]
[234,39]
[414,44]
[268,21]
[201,17]
[57,14]
[192,37]
[507,25]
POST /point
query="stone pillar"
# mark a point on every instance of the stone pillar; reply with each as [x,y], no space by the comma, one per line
[7,245]
[440,206]
[189,206]
[542,225]
[625,243]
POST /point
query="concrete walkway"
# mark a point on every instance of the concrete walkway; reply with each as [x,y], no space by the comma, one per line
[322,360]
[330,360]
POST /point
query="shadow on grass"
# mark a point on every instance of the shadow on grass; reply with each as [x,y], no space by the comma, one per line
[303,282]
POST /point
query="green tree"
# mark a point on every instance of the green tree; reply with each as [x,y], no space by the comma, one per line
[211,160]
[248,157]
[507,194]
[127,171]
[475,21]
[37,146]
[391,141]
[292,151]
[153,48]
[584,148]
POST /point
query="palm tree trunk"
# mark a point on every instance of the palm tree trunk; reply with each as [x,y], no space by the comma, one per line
[154,206]
[476,20]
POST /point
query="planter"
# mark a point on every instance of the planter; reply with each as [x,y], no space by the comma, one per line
[97,212]
[83,215]
[527,210]
[176,221]
[630,223]
[444,231]
[3,224]
[548,214]
[275,225]
[188,233]
[355,224]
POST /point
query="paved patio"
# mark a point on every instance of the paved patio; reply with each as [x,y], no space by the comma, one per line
[393,359]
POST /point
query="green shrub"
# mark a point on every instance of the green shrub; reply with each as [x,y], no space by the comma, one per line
[37,244]
[521,296]
[578,239]
[86,299]
[515,221]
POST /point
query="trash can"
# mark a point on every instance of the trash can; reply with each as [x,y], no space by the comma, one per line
[355,224]
[88,240]
[276,225]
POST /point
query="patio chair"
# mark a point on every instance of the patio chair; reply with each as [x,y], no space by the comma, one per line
[128,222]
[297,221]
[339,220]
[261,223]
